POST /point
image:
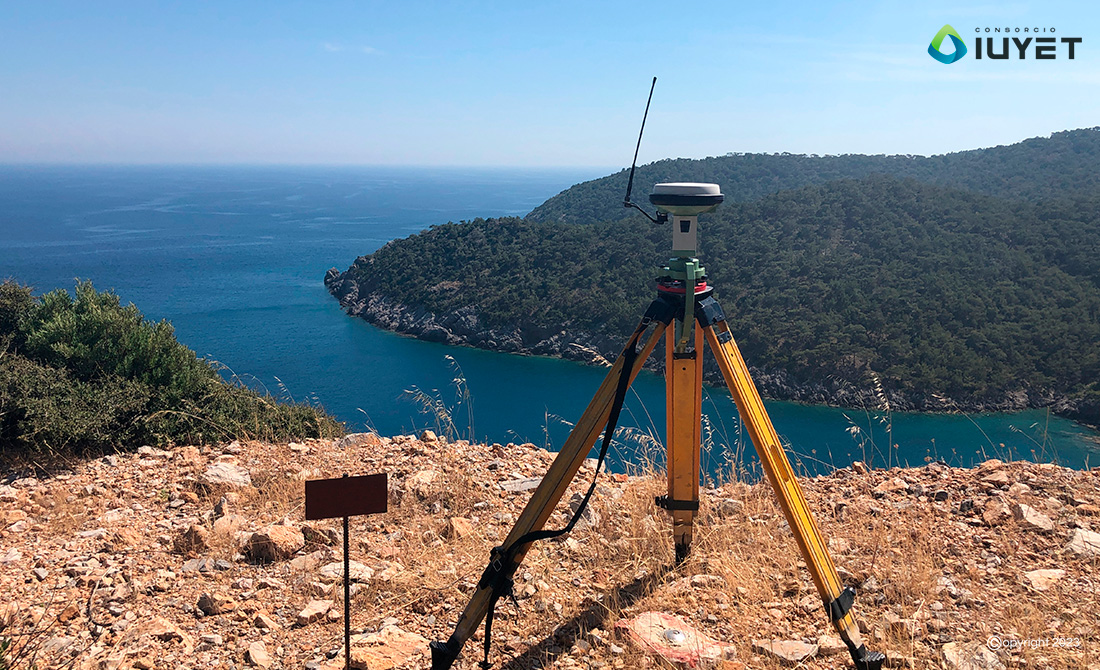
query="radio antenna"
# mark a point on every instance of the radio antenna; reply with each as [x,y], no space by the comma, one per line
[634,163]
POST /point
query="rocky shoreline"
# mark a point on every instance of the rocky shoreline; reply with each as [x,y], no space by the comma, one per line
[845,388]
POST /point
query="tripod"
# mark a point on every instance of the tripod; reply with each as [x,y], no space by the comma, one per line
[684,300]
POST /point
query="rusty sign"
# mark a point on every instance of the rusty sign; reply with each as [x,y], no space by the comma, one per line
[345,496]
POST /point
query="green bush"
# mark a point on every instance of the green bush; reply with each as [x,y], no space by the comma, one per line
[87,374]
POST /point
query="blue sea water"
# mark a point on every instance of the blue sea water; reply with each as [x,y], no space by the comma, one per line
[234,257]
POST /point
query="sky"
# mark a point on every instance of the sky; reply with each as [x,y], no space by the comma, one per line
[523,83]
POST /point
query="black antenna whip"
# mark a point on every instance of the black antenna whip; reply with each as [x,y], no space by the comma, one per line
[634,163]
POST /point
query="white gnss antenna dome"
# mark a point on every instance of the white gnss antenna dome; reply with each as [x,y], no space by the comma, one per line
[683,200]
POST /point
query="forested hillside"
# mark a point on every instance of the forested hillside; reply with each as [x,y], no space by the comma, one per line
[973,277]
[1062,165]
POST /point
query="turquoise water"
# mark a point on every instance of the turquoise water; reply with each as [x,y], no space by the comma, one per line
[234,258]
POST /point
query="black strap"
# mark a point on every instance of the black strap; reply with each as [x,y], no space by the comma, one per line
[840,606]
[676,505]
[501,560]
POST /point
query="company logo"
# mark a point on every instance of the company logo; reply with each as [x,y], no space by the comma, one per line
[937,41]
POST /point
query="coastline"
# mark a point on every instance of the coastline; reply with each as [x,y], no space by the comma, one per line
[845,388]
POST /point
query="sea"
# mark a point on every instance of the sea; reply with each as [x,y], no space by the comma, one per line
[234,258]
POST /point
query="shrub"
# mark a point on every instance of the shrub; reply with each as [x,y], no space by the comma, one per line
[86,374]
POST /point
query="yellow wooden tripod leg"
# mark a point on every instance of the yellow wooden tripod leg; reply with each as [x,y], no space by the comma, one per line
[836,598]
[554,484]
[684,406]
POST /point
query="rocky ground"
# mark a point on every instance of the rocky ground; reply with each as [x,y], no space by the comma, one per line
[200,558]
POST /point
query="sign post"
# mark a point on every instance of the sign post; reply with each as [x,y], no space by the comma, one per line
[346,497]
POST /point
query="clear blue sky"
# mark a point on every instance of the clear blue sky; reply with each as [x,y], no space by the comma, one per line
[521,83]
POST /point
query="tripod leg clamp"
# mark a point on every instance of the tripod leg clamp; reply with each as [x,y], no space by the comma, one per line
[842,604]
[676,505]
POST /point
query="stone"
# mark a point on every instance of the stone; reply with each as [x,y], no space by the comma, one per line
[1018,489]
[424,483]
[264,622]
[707,581]
[995,513]
[459,528]
[1084,543]
[228,525]
[214,604]
[314,611]
[859,467]
[893,485]
[274,543]
[728,507]
[312,561]
[997,479]
[830,645]
[166,631]
[788,652]
[195,539]
[1041,580]
[673,639]
[357,572]
[429,436]
[1031,518]
[227,474]
[521,485]
[69,613]
[257,655]
[959,657]
[388,648]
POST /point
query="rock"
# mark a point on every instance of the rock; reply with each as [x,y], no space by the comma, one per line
[997,479]
[229,524]
[859,467]
[357,572]
[214,604]
[429,436]
[1041,580]
[707,581]
[313,612]
[995,513]
[728,507]
[459,528]
[521,485]
[673,639]
[788,652]
[257,655]
[274,543]
[388,648]
[958,657]
[195,539]
[424,483]
[893,485]
[1032,519]
[264,622]
[69,613]
[830,645]
[227,474]
[1018,489]
[1084,543]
